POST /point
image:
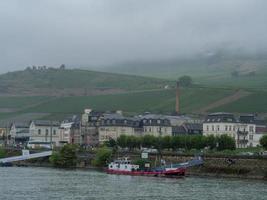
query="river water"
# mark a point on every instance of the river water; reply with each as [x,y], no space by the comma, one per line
[48,183]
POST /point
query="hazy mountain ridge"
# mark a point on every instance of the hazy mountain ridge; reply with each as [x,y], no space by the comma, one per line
[203,68]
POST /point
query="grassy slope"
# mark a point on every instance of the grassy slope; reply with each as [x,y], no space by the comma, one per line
[256,102]
[20,102]
[59,79]
[155,101]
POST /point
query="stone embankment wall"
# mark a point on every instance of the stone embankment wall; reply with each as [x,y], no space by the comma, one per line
[235,167]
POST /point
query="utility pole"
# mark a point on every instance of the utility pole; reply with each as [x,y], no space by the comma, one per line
[177,104]
[51,128]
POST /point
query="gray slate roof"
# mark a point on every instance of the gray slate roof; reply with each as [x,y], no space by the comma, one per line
[46,123]
[220,117]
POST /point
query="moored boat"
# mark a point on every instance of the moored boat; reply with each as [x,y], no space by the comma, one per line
[125,167]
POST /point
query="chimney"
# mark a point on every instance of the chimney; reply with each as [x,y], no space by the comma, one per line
[177,105]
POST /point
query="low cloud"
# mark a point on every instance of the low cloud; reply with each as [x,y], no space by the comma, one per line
[104,32]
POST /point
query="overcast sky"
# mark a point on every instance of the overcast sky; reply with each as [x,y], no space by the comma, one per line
[103,32]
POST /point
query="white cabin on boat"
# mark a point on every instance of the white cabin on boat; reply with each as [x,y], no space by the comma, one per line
[123,165]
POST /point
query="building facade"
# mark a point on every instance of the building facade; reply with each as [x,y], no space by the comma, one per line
[69,131]
[45,131]
[242,129]
[89,128]
[19,133]
[114,125]
[156,125]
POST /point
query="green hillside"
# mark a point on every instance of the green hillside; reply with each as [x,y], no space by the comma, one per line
[53,81]
[161,101]
[131,94]
[254,103]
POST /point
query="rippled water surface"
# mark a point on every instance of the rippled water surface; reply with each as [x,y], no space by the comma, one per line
[46,183]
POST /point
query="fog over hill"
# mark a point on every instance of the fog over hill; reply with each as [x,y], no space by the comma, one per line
[100,33]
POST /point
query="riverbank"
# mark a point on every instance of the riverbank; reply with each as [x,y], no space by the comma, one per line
[218,167]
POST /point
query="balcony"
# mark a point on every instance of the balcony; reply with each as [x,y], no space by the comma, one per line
[242,133]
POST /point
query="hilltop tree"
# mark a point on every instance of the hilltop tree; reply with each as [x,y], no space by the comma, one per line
[235,74]
[185,81]
[62,67]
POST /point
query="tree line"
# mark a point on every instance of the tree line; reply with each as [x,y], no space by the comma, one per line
[186,142]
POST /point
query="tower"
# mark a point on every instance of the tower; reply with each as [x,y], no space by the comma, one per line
[177,105]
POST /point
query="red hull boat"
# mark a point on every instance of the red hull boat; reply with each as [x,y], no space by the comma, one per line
[163,173]
[124,167]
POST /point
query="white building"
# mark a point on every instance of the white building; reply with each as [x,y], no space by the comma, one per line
[243,129]
[45,131]
[19,133]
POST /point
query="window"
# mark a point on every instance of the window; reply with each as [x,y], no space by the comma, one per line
[54,132]
[207,128]
[251,137]
[218,127]
[226,128]
[39,131]
[251,128]
[212,127]
[46,131]
[230,128]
